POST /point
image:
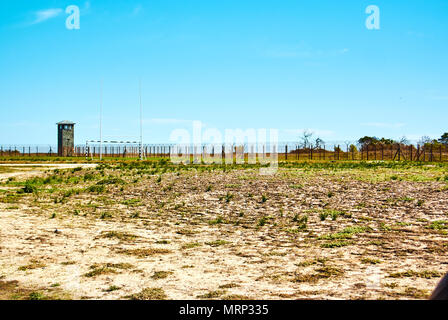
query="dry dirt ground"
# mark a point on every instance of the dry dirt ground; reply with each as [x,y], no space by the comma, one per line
[151,230]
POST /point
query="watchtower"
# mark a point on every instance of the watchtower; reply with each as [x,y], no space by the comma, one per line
[66,138]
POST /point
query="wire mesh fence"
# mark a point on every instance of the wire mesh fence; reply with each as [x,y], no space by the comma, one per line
[284,151]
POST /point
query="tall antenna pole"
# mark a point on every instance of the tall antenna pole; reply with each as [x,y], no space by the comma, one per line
[101,120]
[141,120]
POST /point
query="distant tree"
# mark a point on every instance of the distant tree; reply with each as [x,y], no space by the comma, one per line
[387,141]
[353,148]
[306,138]
[425,140]
[428,142]
[444,139]
[367,140]
[404,141]
[319,143]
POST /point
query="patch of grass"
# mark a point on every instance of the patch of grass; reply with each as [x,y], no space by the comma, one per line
[37,296]
[186,232]
[302,221]
[375,243]
[415,293]
[228,197]
[333,213]
[426,274]
[191,245]
[324,272]
[335,244]
[106,215]
[439,225]
[218,220]
[28,188]
[107,268]
[34,264]
[323,215]
[212,294]
[97,271]
[347,233]
[142,253]
[385,227]
[118,235]
[264,198]
[217,243]
[229,285]
[312,262]
[235,297]
[232,186]
[96,189]
[112,288]
[161,275]
[110,181]
[132,202]
[370,261]
[149,294]
[262,221]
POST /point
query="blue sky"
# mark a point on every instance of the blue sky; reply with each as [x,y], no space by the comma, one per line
[284,64]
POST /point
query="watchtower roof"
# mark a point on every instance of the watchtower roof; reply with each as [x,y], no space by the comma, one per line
[65,122]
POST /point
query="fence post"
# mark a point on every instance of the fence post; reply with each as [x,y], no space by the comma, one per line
[286,152]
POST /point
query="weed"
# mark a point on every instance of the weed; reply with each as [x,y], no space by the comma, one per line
[217,243]
[161,275]
[426,274]
[118,235]
[212,294]
[149,294]
[142,253]
[439,225]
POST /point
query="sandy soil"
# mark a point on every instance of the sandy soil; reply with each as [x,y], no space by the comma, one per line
[228,242]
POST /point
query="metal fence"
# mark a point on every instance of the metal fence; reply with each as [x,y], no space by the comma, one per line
[284,151]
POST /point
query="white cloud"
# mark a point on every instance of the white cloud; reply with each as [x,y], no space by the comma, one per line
[44,15]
